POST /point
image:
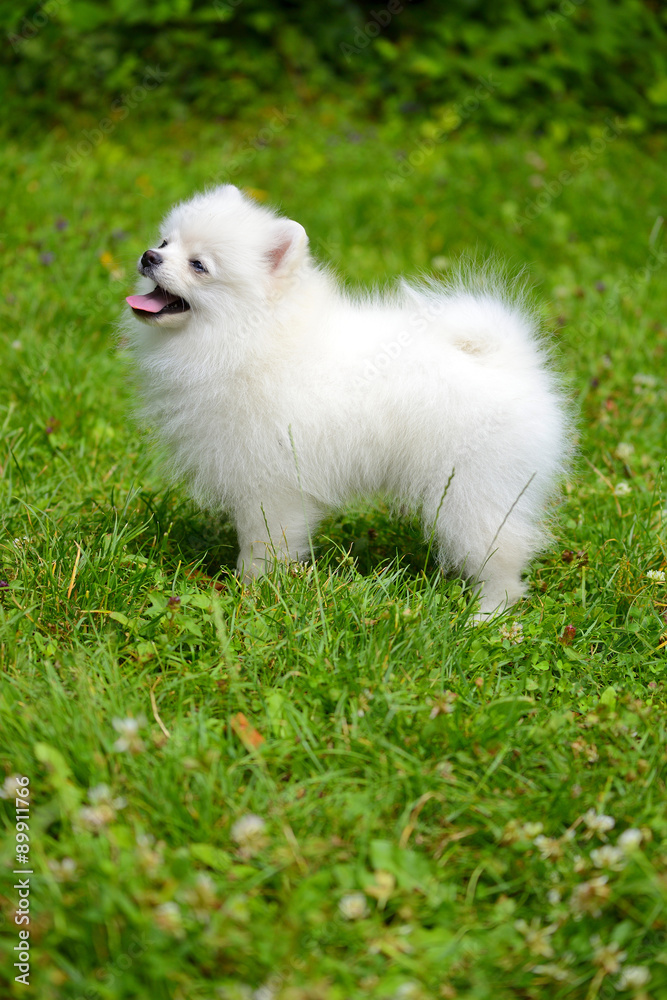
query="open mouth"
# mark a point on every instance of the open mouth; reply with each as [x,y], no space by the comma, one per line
[157,303]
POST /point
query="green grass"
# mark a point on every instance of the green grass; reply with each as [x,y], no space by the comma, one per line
[444,772]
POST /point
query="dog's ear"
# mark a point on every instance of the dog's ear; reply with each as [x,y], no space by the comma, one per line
[288,248]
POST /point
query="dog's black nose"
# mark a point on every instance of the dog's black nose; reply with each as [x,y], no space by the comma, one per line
[151,257]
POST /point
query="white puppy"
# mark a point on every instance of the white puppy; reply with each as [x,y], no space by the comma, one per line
[280,397]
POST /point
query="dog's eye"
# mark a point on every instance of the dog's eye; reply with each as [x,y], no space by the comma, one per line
[163,244]
[198,266]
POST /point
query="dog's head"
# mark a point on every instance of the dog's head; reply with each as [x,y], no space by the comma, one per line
[219,252]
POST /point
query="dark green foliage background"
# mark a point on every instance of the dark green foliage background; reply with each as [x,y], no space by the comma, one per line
[546,59]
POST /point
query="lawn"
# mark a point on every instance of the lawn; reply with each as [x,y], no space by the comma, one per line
[330,785]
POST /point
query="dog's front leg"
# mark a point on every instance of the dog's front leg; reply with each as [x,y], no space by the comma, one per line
[269,532]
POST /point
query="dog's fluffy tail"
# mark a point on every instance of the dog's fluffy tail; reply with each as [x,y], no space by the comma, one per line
[483,311]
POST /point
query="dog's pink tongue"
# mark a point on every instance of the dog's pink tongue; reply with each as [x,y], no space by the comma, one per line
[153,302]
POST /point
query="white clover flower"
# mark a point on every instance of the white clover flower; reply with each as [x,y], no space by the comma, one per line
[150,852]
[444,704]
[630,840]
[407,991]
[608,956]
[640,379]
[96,817]
[445,770]
[532,830]
[202,897]
[633,977]
[587,897]
[385,883]
[168,917]
[624,451]
[622,489]
[512,832]
[658,575]
[129,738]
[551,970]
[554,897]
[249,833]
[63,871]
[247,827]
[102,809]
[205,887]
[537,937]
[353,906]
[101,795]
[10,789]
[513,633]
[548,847]
[598,822]
[608,857]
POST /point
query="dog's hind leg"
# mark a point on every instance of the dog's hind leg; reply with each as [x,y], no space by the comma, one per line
[489,546]
[498,578]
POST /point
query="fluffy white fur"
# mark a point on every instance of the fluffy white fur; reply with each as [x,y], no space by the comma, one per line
[279,396]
